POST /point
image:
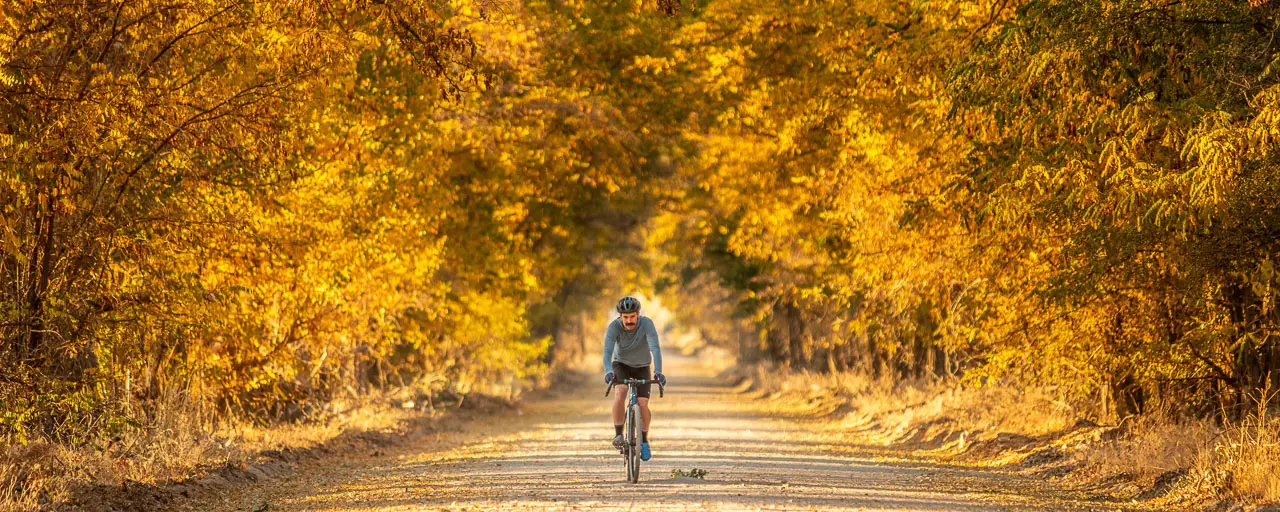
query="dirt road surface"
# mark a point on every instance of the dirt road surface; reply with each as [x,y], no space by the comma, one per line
[553,454]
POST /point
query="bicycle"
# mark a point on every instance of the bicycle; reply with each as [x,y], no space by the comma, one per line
[631,430]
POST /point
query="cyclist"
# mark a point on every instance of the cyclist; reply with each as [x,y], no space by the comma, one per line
[630,342]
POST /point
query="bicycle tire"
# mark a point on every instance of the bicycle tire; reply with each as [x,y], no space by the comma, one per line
[628,445]
[630,463]
[633,466]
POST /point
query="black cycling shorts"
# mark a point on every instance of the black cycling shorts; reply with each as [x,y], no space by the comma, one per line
[622,372]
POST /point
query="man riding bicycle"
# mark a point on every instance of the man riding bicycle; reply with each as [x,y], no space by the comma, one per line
[630,342]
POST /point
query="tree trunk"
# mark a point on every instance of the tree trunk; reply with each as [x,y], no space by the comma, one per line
[40,269]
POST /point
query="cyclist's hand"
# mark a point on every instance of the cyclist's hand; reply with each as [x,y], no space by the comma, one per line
[609,378]
[662,379]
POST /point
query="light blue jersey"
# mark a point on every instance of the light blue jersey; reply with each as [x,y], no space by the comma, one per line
[630,347]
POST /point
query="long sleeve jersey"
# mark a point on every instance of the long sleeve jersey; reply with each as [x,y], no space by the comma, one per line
[630,347]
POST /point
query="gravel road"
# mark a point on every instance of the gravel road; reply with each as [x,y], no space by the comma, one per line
[553,454]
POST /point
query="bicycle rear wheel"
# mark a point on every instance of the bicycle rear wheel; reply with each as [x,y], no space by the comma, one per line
[633,444]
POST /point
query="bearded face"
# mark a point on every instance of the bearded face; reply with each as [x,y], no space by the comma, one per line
[629,320]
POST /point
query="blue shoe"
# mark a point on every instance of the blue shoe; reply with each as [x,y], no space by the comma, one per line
[644,451]
[618,442]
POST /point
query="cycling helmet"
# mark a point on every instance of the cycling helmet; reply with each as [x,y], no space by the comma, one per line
[628,304]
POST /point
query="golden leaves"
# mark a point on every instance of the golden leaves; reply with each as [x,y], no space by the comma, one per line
[284,184]
[1084,163]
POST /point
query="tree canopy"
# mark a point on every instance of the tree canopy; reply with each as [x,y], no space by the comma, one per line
[266,206]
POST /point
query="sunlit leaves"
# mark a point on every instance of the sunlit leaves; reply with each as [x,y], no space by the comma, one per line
[263,205]
[993,180]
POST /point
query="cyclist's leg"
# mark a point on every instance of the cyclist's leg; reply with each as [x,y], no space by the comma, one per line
[619,403]
[620,372]
[645,451]
[642,400]
[619,414]
[645,415]
[642,397]
[620,397]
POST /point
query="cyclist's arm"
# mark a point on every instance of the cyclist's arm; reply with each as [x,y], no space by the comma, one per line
[610,338]
[654,349]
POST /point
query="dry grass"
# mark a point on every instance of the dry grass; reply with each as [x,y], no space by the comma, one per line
[169,445]
[178,443]
[1244,461]
[975,411]
[372,417]
[891,412]
[1150,446]
[1193,459]
[1239,462]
